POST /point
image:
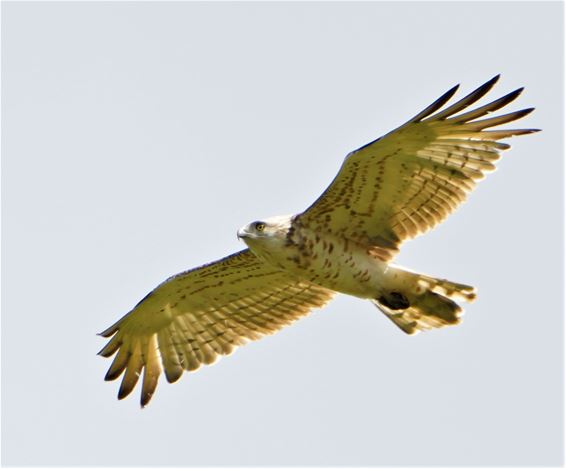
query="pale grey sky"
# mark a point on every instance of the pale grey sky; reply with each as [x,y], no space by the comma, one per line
[138,137]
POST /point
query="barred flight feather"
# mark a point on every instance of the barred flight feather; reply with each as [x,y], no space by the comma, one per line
[389,190]
[422,171]
[189,338]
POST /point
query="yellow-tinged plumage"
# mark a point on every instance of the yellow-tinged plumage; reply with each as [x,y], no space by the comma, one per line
[420,172]
[197,316]
[392,189]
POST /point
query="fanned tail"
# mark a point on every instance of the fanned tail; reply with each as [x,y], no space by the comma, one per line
[421,302]
[447,288]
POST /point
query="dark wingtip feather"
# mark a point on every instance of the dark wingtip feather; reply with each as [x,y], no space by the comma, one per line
[103,353]
[507,133]
[532,131]
[110,331]
[511,96]
[494,80]
[124,391]
[130,378]
[528,131]
[483,89]
[118,365]
[487,108]
[173,374]
[150,379]
[523,112]
[519,114]
[111,375]
[467,100]
[451,92]
[496,121]
[436,105]
[111,347]
[528,110]
[145,398]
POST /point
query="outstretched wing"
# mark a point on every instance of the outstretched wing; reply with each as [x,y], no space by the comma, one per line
[411,179]
[196,316]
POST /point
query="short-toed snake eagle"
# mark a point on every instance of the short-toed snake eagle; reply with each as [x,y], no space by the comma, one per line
[387,191]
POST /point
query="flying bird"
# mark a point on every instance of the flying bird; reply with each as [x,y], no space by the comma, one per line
[387,191]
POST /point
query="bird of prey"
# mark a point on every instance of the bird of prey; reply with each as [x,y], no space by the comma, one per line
[385,192]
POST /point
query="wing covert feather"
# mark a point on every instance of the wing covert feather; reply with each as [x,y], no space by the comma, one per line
[408,181]
[197,316]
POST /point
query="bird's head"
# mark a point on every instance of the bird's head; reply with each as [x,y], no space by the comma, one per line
[267,235]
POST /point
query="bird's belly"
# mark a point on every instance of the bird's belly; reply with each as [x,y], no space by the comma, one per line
[340,265]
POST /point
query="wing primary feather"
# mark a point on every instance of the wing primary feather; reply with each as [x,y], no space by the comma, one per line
[170,357]
[110,348]
[111,330]
[184,339]
[490,134]
[193,353]
[118,364]
[487,108]
[132,374]
[190,343]
[436,105]
[495,121]
[463,151]
[151,371]
[421,171]
[497,134]
[468,100]
[473,144]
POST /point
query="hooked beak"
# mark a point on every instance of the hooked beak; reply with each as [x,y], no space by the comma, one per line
[242,234]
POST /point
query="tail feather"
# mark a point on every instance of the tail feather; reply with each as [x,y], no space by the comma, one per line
[447,288]
[424,303]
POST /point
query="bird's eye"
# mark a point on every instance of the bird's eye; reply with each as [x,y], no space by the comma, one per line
[259,226]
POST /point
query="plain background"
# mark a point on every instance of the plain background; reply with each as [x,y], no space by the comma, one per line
[137,138]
